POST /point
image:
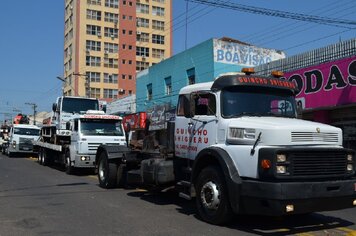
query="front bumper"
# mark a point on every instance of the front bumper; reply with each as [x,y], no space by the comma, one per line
[268,198]
[78,163]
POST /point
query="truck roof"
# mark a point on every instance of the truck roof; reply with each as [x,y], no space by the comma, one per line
[238,79]
[25,126]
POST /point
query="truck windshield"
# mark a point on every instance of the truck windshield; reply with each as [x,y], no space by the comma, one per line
[255,101]
[101,127]
[27,131]
[75,105]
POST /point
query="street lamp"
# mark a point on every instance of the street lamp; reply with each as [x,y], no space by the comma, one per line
[64,81]
[86,84]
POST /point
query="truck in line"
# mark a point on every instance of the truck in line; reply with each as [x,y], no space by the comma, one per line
[74,131]
[20,139]
[236,146]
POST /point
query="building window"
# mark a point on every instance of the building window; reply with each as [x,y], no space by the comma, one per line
[93,15]
[94,30]
[142,37]
[94,2]
[111,32]
[110,63]
[158,53]
[111,17]
[95,92]
[142,51]
[149,92]
[93,76]
[123,76]
[141,65]
[110,93]
[112,3]
[158,25]
[158,39]
[168,85]
[93,61]
[110,78]
[160,1]
[111,47]
[191,76]
[142,8]
[157,11]
[93,45]
[142,22]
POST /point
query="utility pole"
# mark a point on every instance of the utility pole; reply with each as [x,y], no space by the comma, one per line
[34,106]
[87,83]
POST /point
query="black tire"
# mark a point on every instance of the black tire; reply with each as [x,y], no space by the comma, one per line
[212,198]
[67,163]
[40,153]
[44,157]
[107,172]
[10,154]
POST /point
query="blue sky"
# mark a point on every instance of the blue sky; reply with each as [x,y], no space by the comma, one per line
[31,40]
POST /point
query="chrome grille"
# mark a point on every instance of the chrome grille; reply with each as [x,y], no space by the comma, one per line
[94,146]
[318,163]
[314,137]
[25,144]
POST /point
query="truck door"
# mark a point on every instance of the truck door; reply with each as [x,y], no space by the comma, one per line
[203,123]
[74,139]
[195,123]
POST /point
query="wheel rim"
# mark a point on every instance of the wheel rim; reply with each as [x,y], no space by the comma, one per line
[210,196]
[102,170]
[68,162]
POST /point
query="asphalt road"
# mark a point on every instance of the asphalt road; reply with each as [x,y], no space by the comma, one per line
[39,200]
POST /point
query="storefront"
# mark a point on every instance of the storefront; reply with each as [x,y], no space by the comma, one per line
[328,95]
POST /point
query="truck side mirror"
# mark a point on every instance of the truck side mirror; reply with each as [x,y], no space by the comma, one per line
[54,107]
[68,125]
[299,110]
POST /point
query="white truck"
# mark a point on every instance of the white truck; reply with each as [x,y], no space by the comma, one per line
[237,146]
[71,136]
[20,139]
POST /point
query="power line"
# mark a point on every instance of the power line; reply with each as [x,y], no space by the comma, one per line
[277,13]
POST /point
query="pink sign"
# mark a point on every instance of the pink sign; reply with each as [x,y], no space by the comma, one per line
[328,84]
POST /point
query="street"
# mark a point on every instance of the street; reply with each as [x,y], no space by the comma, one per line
[39,200]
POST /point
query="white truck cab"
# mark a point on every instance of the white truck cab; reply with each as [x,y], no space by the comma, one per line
[21,137]
[90,130]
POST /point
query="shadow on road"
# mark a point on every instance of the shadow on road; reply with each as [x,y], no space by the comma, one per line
[259,225]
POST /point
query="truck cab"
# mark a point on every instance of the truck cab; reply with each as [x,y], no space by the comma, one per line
[88,131]
[250,154]
[66,108]
[21,137]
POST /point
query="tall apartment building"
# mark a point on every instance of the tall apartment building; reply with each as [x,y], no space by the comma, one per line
[107,41]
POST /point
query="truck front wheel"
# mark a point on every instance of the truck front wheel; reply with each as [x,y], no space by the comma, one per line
[107,172]
[68,163]
[212,197]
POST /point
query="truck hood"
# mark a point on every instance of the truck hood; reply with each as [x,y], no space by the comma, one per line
[290,131]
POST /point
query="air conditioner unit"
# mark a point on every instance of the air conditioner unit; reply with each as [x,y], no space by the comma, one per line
[121,90]
[112,36]
[87,51]
[143,58]
[106,52]
[138,32]
[98,34]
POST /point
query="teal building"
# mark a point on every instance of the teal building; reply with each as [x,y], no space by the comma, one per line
[158,86]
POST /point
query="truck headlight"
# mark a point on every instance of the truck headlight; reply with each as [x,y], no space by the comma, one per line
[349,157]
[350,167]
[241,135]
[281,158]
[282,164]
[281,169]
[350,163]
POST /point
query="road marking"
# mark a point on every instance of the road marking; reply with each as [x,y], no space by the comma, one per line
[305,234]
[93,176]
[351,232]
